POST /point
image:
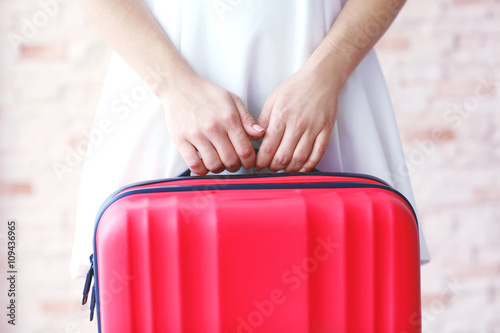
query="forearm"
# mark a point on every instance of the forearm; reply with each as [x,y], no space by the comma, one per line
[357,28]
[136,35]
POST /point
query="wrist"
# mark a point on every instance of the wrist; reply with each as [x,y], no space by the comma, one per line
[167,82]
[331,64]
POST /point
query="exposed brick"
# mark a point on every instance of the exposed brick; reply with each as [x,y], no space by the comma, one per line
[58,307]
[436,135]
[42,51]
[16,188]
[487,193]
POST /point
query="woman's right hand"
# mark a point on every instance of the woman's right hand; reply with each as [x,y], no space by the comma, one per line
[203,117]
[200,115]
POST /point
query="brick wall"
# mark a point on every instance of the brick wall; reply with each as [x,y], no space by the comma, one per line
[49,86]
[442,64]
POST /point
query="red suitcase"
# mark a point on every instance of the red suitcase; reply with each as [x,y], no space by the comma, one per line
[274,253]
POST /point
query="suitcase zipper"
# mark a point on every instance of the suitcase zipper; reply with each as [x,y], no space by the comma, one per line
[88,281]
[92,303]
[86,288]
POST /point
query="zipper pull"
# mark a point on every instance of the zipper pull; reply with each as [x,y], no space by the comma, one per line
[92,303]
[88,281]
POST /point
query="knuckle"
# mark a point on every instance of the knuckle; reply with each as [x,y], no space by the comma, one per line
[246,117]
[282,112]
[179,140]
[245,152]
[229,118]
[267,148]
[233,166]
[300,158]
[300,125]
[196,135]
[216,168]
[274,168]
[237,98]
[212,129]
[263,119]
[281,159]
[194,165]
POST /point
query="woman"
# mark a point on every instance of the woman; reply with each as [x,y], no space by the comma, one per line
[297,79]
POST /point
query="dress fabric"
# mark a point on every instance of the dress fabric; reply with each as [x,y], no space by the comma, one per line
[248,47]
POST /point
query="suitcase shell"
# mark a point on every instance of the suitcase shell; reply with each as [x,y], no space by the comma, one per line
[287,252]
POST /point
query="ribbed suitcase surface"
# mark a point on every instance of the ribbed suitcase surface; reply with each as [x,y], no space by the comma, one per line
[280,253]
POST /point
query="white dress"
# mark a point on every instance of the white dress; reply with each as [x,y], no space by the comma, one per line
[248,47]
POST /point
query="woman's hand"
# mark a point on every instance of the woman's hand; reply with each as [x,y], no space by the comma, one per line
[203,117]
[298,117]
[300,114]
[200,115]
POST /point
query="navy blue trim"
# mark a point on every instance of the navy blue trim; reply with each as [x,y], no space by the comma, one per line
[243,176]
[211,187]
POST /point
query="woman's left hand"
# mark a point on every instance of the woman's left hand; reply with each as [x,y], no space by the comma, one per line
[298,117]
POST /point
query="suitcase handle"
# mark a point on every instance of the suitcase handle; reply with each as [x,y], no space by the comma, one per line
[187,172]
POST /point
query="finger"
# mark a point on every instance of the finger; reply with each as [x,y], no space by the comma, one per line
[319,148]
[242,146]
[270,143]
[232,133]
[284,153]
[254,130]
[193,161]
[265,114]
[227,153]
[209,156]
[302,152]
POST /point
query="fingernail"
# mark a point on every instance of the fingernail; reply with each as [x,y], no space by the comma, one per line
[303,170]
[257,127]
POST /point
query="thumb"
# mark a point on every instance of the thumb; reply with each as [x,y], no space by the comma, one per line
[253,129]
[265,114]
